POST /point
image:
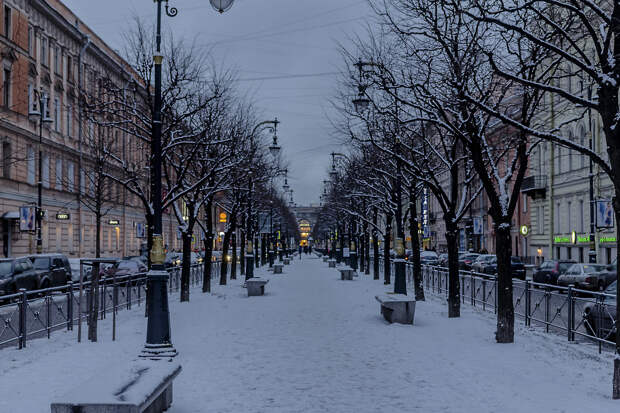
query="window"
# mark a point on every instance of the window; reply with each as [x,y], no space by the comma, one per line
[57,60]
[31,162]
[46,105]
[569,254]
[6,160]
[581,217]
[45,170]
[569,221]
[30,97]
[30,41]
[556,224]
[69,120]
[70,177]
[570,151]
[44,52]
[557,252]
[82,182]
[57,114]
[559,160]
[69,68]
[6,88]
[7,22]
[59,174]
[524,203]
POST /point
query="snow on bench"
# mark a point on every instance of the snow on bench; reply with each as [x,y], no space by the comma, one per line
[332,263]
[397,308]
[346,273]
[256,286]
[325,258]
[144,387]
[287,261]
[277,268]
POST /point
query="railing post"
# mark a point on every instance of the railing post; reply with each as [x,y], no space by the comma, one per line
[484,294]
[528,293]
[128,293]
[48,321]
[103,300]
[547,309]
[472,286]
[23,331]
[495,294]
[70,306]
[569,297]
[114,305]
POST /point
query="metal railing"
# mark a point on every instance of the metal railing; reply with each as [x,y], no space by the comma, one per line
[580,315]
[36,313]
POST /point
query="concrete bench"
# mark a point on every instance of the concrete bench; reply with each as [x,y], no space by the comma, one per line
[287,261]
[332,263]
[346,273]
[397,308]
[325,258]
[256,286]
[277,268]
[146,387]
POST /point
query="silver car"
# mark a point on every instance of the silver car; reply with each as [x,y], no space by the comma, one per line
[585,276]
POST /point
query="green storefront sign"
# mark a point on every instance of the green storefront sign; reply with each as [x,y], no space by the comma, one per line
[573,238]
[607,239]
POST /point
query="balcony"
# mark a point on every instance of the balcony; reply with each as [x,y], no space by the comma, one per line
[535,186]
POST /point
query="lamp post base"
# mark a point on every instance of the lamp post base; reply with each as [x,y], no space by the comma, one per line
[249,266]
[158,344]
[158,352]
[400,276]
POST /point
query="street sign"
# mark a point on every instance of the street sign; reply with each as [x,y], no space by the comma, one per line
[524,230]
[114,222]
[477,224]
[604,214]
[63,216]
[140,230]
[346,252]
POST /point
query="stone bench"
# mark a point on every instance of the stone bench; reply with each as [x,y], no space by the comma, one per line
[277,268]
[146,387]
[325,258]
[346,273]
[256,286]
[287,261]
[397,308]
[332,263]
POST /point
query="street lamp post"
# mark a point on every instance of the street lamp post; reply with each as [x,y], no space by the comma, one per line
[43,117]
[158,340]
[361,103]
[251,244]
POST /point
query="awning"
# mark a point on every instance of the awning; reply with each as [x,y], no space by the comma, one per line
[11,215]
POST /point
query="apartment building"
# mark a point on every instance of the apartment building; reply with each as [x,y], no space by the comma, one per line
[45,48]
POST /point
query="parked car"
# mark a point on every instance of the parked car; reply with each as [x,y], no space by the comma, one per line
[429,258]
[173,259]
[196,258]
[586,276]
[54,269]
[16,273]
[518,268]
[599,315]
[482,261]
[549,271]
[74,263]
[466,260]
[443,260]
[126,267]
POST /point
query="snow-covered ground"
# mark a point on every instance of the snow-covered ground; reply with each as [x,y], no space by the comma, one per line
[318,344]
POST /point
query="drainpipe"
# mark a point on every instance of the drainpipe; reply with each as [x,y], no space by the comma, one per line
[83,50]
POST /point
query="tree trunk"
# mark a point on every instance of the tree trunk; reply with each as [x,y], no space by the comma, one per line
[206,280]
[225,247]
[418,285]
[387,240]
[186,265]
[242,248]
[94,285]
[233,263]
[454,296]
[505,307]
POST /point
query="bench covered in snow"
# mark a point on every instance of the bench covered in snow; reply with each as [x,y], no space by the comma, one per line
[325,258]
[146,387]
[332,263]
[287,261]
[277,268]
[346,273]
[256,286]
[397,308]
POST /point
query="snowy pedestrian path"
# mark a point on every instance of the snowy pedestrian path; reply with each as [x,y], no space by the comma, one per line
[314,343]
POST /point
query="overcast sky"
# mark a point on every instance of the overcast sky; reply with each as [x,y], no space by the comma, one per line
[269,42]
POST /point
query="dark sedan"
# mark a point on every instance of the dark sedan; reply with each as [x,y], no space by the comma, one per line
[126,267]
[549,271]
[466,260]
[16,273]
[599,315]
[517,267]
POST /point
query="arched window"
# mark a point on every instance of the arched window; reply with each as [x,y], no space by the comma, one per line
[570,152]
[582,142]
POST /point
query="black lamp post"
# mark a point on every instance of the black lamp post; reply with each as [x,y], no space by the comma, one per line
[43,117]
[158,340]
[251,244]
[361,103]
